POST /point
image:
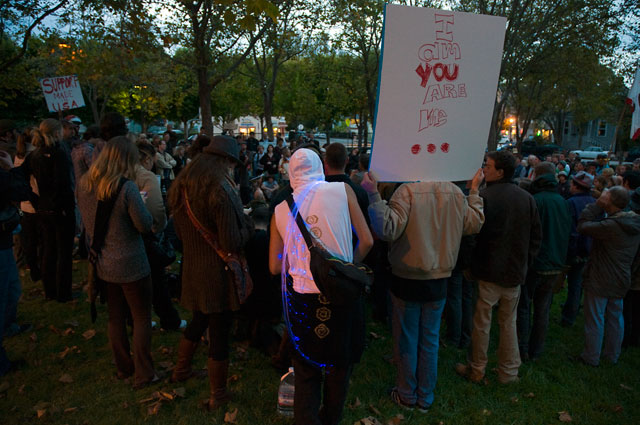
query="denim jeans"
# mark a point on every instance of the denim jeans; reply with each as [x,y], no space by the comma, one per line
[538,290]
[595,310]
[459,310]
[8,279]
[416,331]
[574,293]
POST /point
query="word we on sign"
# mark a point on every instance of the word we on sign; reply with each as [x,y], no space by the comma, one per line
[438,81]
[62,93]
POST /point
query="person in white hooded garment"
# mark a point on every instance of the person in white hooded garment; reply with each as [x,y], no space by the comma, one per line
[318,328]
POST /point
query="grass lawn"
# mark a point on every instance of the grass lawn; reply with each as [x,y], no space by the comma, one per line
[68,378]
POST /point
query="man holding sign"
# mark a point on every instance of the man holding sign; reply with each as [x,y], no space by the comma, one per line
[423,223]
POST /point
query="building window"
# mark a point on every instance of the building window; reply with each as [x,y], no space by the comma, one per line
[602,128]
[566,127]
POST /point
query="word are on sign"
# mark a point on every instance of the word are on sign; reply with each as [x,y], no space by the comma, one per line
[62,93]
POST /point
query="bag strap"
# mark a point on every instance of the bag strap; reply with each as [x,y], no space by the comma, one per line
[206,234]
[303,228]
[101,223]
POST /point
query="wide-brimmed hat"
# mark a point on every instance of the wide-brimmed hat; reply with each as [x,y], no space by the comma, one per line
[583,179]
[635,200]
[224,146]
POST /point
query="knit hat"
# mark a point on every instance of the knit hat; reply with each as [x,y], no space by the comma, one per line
[635,200]
[583,179]
[224,146]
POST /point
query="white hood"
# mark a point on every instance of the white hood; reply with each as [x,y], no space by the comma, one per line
[305,168]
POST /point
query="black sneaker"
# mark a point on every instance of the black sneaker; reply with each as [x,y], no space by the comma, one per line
[422,408]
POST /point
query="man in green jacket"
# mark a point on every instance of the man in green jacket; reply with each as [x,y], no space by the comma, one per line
[548,265]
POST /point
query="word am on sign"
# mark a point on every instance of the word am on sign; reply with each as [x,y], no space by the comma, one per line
[62,93]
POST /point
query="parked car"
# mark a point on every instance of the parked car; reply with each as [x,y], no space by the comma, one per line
[532,148]
[591,152]
[633,154]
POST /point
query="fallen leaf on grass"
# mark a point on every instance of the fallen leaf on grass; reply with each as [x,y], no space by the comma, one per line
[154,408]
[355,404]
[66,351]
[233,378]
[396,419]
[21,389]
[514,399]
[374,410]
[54,330]
[564,417]
[486,412]
[618,409]
[41,408]
[66,379]
[625,387]
[125,405]
[180,392]
[70,409]
[4,386]
[68,332]
[72,323]
[375,335]
[230,417]
[89,334]
[166,396]
[33,337]
[368,421]
[165,350]
[530,395]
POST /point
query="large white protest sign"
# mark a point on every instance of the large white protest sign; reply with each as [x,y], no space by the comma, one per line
[437,89]
[62,93]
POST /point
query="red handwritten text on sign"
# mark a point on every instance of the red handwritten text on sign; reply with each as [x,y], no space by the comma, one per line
[437,71]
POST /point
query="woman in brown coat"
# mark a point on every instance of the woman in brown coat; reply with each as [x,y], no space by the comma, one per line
[207,211]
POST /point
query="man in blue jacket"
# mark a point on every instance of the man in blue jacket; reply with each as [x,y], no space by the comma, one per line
[579,246]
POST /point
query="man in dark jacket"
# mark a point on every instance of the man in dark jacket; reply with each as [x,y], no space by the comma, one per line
[548,266]
[505,247]
[607,276]
[13,187]
[579,246]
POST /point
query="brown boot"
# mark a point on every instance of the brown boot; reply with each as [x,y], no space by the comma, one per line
[182,371]
[218,370]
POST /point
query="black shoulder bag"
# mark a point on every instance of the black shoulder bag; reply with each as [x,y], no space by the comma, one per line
[340,282]
[96,286]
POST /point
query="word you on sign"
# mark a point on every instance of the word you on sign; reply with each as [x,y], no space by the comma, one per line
[62,93]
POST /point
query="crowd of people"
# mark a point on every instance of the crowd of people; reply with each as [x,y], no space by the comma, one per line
[509,239]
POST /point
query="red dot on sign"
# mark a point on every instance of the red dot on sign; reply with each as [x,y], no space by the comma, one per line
[415,149]
[444,147]
[431,148]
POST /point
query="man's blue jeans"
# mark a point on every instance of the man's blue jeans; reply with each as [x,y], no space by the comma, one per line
[416,332]
[595,310]
[8,279]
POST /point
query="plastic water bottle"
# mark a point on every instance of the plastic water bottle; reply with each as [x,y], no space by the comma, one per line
[286,392]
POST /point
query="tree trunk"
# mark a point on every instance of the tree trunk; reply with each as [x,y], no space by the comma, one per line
[204,94]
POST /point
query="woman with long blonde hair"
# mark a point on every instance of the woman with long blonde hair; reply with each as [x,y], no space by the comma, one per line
[51,166]
[121,260]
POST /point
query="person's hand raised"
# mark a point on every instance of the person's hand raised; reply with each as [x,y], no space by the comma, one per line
[370,182]
[476,181]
